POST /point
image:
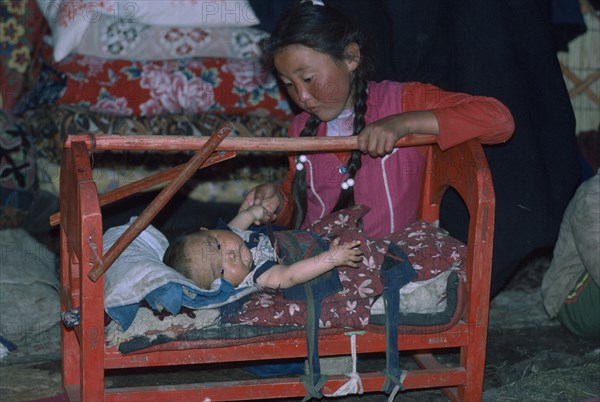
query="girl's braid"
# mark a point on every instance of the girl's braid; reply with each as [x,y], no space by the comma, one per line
[326,30]
[360,109]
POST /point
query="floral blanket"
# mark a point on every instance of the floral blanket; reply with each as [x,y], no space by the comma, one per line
[350,305]
[347,304]
[178,86]
[430,299]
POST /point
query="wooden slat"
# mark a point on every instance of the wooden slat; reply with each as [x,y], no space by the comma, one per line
[144,219]
[262,389]
[189,352]
[240,144]
[148,182]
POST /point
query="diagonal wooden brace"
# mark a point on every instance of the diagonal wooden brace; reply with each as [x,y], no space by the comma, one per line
[150,181]
[144,219]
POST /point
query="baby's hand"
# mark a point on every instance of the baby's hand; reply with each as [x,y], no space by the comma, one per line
[347,254]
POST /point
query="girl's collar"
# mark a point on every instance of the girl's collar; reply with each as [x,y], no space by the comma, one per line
[345,114]
[343,125]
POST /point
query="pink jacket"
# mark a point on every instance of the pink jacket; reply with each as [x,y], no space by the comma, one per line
[391,186]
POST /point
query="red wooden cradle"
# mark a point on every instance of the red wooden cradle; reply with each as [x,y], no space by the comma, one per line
[86,357]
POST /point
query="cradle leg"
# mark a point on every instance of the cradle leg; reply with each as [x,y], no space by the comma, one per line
[71,363]
[83,368]
[83,345]
[71,356]
[472,358]
[91,328]
[92,362]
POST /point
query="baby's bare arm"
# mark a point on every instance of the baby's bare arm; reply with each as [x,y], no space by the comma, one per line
[281,276]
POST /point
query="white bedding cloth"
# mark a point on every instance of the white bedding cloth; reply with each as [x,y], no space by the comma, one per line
[139,274]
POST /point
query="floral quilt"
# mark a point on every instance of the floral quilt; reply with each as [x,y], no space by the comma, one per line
[431,299]
[178,86]
[350,306]
[20,35]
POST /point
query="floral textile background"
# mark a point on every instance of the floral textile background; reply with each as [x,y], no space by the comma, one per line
[21,30]
[22,27]
[177,86]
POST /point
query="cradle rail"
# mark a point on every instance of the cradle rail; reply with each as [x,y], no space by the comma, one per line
[255,144]
[85,356]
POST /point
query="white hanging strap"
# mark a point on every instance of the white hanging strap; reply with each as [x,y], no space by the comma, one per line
[397,387]
[354,383]
[312,184]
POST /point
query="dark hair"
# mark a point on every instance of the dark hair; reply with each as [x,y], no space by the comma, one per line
[329,31]
[177,256]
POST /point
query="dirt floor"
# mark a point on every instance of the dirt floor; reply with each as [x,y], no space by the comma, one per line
[529,358]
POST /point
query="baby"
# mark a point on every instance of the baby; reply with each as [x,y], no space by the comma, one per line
[244,257]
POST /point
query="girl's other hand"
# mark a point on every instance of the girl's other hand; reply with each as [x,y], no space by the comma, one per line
[379,137]
[267,196]
[260,214]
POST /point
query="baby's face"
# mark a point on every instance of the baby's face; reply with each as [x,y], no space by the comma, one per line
[223,253]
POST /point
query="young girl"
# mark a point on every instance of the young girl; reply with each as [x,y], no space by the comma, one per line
[319,57]
[244,257]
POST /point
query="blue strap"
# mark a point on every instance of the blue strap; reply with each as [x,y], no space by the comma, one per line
[396,272]
[313,381]
[393,372]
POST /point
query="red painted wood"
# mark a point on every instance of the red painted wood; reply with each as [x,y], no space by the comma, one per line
[144,219]
[150,181]
[186,352]
[255,144]
[86,358]
[277,388]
